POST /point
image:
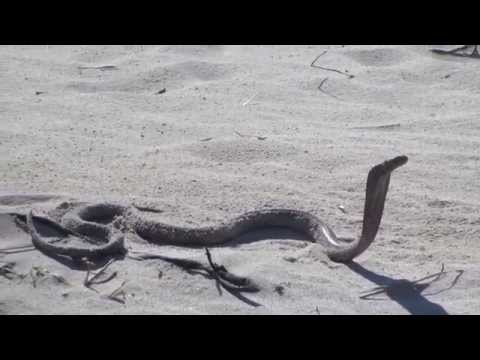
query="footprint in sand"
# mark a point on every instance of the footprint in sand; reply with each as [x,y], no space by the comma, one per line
[194,50]
[170,76]
[378,57]
[440,204]
[243,151]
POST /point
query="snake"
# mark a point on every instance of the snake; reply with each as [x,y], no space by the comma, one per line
[104,225]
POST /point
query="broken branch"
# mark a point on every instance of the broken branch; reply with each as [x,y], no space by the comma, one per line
[350,76]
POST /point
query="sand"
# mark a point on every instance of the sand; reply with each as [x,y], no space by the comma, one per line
[240,128]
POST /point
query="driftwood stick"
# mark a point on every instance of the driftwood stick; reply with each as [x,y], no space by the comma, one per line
[103,68]
[239,134]
[219,273]
[147,209]
[454,282]
[315,60]
[258,137]
[89,281]
[323,91]
[457,51]
[378,127]
[26,246]
[229,280]
[350,76]
[249,100]
[17,249]
[115,295]
[411,284]
[232,283]
[436,276]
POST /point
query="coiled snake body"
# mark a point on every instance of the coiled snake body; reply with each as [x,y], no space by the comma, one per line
[103,222]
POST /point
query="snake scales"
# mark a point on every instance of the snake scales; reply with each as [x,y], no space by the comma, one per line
[105,223]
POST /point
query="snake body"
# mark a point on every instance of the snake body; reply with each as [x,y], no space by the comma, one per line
[113,243]
[101,222]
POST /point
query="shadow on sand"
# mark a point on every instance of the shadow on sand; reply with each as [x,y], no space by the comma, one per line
[407,294]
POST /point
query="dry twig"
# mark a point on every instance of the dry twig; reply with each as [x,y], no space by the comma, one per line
[378,127]
[323,91]
[458,51]
[118,294]
[350,76]
[17,249]
[147,209]
[411,285]
[102,68]
[249,100]
[88,282]
[228,280]
[243,135]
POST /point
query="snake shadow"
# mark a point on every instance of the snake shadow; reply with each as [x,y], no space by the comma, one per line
[406,293]
[267,233]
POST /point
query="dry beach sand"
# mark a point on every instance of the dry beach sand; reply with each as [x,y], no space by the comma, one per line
[241,128]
